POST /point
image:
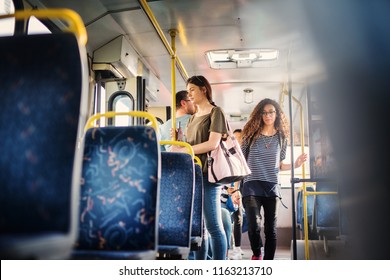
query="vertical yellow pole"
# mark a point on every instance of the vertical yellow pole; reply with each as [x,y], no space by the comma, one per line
[172,33]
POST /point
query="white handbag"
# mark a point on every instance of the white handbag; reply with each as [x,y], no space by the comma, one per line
[227,164]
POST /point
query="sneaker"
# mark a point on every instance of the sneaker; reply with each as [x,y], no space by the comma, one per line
[239,249]
[256,258]
[235,254]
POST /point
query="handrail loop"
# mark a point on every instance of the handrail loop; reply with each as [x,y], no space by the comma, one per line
[179,143]
[93,118]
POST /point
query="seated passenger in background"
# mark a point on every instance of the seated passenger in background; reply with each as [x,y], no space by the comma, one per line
[226,216]
[236,252]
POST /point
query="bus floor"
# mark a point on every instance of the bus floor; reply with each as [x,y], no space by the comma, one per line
[282,250]
[282,253]
[337,249]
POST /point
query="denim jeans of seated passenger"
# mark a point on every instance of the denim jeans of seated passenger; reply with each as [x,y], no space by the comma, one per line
[213,222]
[227,224]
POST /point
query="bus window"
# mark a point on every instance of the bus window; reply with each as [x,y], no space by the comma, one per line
[36,27]
[121,101]
[7,25]
[100,100]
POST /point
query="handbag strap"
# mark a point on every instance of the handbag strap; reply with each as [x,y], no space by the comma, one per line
[249,146]
[228,130]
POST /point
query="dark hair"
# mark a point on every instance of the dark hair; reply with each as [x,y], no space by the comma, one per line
[239,130]
[201,81]
[180,95]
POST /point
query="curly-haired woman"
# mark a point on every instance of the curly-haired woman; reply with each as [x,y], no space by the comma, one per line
[264,141]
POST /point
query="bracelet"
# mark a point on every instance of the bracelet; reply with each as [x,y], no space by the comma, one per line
[235,191]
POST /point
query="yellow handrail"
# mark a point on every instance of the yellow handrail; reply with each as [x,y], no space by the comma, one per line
[145,7]
[179,143]
[319,193]
[75,23]
[175,60]
[198,161]
[93,118]
[172,33]
[184,144]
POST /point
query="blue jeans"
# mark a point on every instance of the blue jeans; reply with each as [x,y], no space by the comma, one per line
[201,254]
[227,224]
[213,221]
[206,253]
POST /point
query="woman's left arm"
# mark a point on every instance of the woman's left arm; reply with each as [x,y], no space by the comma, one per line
[299,161]
[204,147]
[209,145]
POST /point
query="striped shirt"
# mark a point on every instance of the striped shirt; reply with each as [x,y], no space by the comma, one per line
[264,162]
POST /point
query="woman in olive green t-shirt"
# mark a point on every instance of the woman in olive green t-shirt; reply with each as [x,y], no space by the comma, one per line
[204,131]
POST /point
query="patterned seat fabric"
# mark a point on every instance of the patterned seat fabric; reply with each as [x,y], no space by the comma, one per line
[326,212]
[40,94]
[176,201]
[119,191]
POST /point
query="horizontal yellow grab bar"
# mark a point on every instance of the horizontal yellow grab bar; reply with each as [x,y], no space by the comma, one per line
[318,193]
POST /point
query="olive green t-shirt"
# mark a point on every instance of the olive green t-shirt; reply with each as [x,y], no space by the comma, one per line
[199,128]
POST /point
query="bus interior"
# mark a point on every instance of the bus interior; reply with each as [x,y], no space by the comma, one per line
[324,62]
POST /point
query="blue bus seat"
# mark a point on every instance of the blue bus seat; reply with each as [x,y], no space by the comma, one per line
[197,216]
[326,212]
[176,205]
[43,97]
[119,194]
[310,209]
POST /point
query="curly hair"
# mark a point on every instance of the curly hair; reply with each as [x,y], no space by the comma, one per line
[252,129]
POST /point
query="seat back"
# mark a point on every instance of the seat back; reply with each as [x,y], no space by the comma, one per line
[176,203]
[310,206]
[326,211]
[197,215]
[119,194]
[43,103]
